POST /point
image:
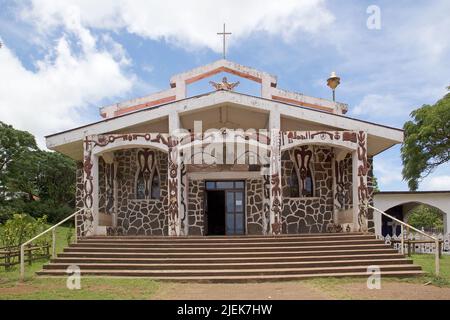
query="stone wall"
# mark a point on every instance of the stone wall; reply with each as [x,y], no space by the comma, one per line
[309,214]
[348,182]
[136,216]
[254,201]
[149,217]
[195,207]
[101,186]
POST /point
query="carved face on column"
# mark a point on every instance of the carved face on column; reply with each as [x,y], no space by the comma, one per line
[146,162]
[340,186]
[109,175]
[302,161]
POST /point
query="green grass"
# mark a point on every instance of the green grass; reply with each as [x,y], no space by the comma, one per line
[12,275]
[140,288]
[55,288]
[426,261]
[92,288]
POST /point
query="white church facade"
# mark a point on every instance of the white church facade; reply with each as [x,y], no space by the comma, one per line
[224,163]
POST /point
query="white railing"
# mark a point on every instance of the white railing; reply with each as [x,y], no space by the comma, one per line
[416,243]
[408,227]
[53,230]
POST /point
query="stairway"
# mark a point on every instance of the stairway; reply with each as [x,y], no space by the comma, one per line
[232,259]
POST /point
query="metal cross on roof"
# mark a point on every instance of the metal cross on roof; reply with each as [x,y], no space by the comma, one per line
[224,34]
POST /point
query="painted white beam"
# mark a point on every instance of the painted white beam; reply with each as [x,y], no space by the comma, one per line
[231,175]
[207,69]
[222,97]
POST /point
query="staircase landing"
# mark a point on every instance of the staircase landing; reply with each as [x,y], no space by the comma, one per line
[233,259]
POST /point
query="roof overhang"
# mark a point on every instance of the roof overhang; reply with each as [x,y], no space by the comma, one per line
[380,137]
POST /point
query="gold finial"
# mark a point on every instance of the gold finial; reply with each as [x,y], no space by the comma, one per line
[224,85]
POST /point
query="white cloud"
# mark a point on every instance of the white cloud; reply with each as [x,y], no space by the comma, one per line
[80,69]
[382,105]
[55,95]
[390,72]
[189,24]
[439,182]
[388,173]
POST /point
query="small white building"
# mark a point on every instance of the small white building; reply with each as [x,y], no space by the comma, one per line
[401,203]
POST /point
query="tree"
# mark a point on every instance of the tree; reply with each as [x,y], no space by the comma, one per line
[21,178]
[14,145]
[56,179]
[426,217]
[375,186]
[33,181]
[427,141]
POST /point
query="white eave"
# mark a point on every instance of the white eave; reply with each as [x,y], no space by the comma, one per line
[385,136]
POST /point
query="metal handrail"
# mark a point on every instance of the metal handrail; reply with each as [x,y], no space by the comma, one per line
[408,226]
[53,229]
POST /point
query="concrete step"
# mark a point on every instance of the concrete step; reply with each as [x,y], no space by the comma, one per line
[204,240]
[231,238]
[241,244]
[226,260]
[273,253]
[232,272]
[232,259]
[253,278]
[235,266]
[234,249]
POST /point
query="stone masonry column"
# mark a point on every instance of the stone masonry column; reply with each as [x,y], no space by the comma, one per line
[89,219]
[174,176]
[360,169]
[275,172]
[173,188]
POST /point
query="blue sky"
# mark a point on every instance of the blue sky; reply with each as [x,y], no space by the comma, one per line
[61,60]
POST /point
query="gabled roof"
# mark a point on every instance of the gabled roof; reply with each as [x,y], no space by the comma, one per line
[179,82]
[222,65]
[67,141]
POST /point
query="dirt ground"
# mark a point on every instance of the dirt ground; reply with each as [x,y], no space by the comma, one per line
[245,291]
[301,291]
[145,289]
[395,291]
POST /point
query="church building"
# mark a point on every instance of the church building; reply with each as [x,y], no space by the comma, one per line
[224,163]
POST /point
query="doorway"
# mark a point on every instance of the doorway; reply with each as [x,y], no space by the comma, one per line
[225,207]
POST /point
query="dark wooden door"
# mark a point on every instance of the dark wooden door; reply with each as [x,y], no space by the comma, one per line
[234,213]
